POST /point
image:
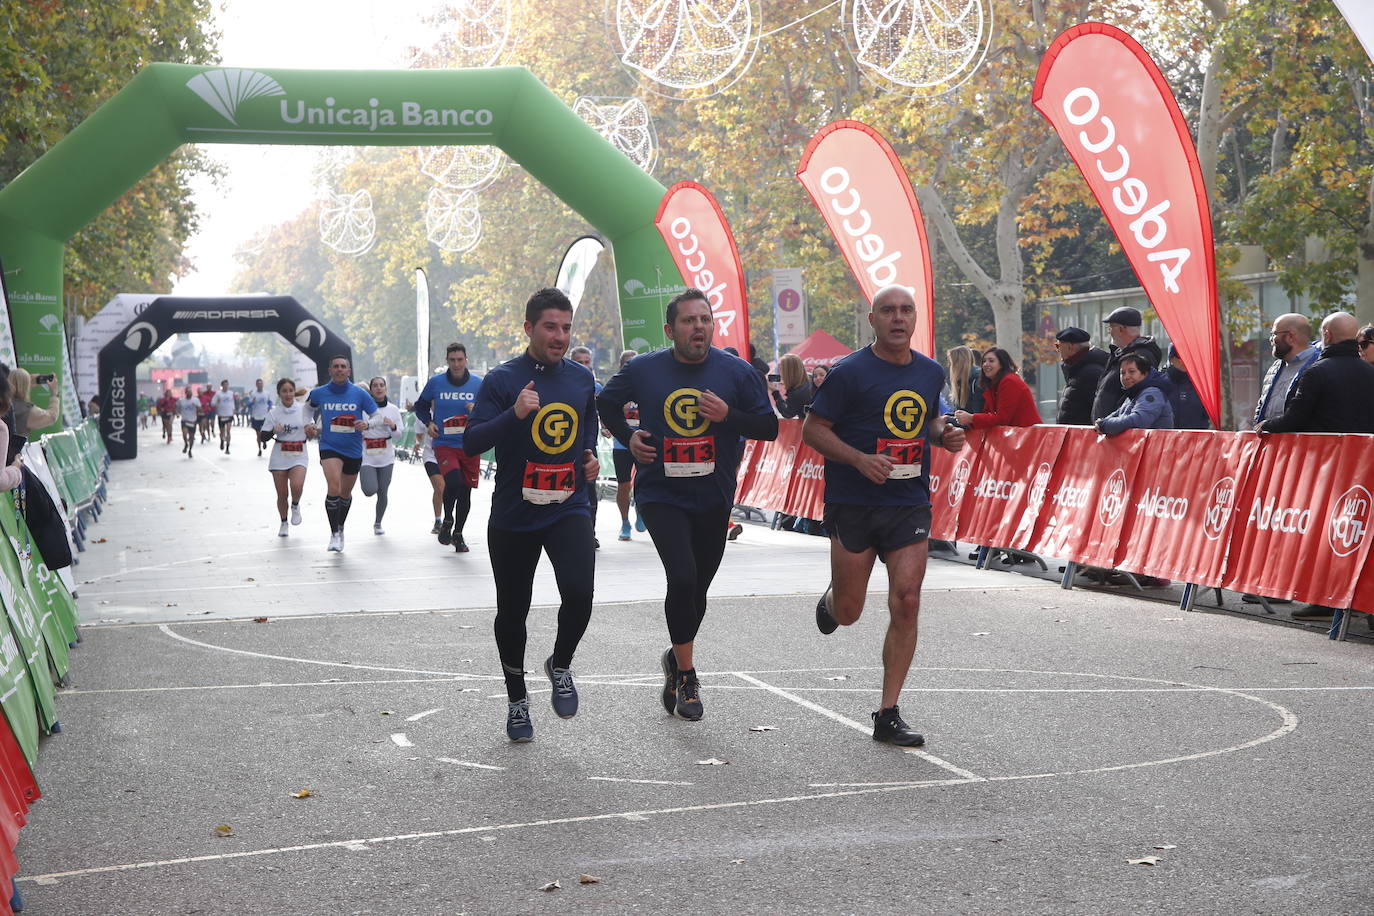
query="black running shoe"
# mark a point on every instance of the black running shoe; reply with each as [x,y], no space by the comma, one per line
[889,727]
[825,621]
[689,696]
[459,545]
[564,697]
[669,662]
[446,532]
[518,724]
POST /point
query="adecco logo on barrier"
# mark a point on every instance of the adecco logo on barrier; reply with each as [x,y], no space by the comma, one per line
[1349,521]
[1221,502]
[1113,499]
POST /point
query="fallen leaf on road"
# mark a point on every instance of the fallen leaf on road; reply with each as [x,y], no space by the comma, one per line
[551,886]
[224,830]
[303,793]
[984,633]
[838,677]
[259,619]
[736,861]
[387,712]
[763,728]
[250,579]
[712,762]
[1144,860]
[1049,607]
[588,879]
[170,604]
[1166,846]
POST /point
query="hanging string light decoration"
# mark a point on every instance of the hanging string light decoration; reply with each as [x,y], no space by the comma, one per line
[452,220]
[462,168]
[686,48]
[347,223]
[920,48]
[476,32]
[626,123]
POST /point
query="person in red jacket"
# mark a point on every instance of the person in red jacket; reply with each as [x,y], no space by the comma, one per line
[1007,399]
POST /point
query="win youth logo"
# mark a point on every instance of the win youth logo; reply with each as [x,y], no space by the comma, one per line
[1221,502]
[1113,499]
[223,90]
[1349,521]
[958,480]
[1036,497]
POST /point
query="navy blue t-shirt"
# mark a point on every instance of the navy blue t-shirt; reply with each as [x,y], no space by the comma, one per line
[666,391]
[340,406]
[539,462]
[876,405]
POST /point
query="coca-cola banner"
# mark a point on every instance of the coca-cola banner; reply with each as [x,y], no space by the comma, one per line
[1301,529]
[703,248]
[1003,498]
[949,476]
[1089,497]
[1113,109]
[1186,490]
[861,189]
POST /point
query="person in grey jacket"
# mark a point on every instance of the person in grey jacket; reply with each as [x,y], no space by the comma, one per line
[1147,399]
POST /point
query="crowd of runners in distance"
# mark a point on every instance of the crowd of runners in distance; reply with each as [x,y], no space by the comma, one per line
[679,418]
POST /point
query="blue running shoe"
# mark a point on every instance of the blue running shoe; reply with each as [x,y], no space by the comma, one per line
[624,531]
[564,697]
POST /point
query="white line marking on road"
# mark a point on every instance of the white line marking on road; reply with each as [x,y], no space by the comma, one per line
[866,729]
[640,782]
[909,784]
[400,740]
[266,685]
[469,763]
[420,715]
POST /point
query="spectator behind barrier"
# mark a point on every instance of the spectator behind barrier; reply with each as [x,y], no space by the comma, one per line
[1082,365]
[1123,326]
[1294,354]
[1366,343]
[13,475]
[1188,410]
[818,375]
[27,415]
[1007,399]
[797,390]
[1146,390]
[965,389]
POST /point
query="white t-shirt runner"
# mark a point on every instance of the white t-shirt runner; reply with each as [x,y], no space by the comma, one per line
[288,451]
[379,439]
[188,409]
[259,403]
[223,404]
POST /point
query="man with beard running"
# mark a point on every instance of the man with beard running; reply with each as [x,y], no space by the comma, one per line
[341,409]
[874,422]
[444,406]
[695,404]
[539,412]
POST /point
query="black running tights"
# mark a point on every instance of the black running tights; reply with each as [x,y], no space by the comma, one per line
[514,556]
[691,545]
[457,495]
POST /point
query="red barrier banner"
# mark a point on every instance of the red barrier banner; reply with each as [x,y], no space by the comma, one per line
[748,470]
[703,248]
[806,492]
[1089,497]
[773,469]
[861,189]
[949,476]
[1003,499]
[1114,112]
[1185,495]
[1301,529]
[1364,592]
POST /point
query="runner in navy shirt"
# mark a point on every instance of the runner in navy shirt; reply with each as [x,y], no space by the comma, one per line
[874,421]
[695,403]
[341,409]
[538,411]
[444,406]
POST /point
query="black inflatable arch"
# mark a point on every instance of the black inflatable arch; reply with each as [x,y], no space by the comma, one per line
[170,315]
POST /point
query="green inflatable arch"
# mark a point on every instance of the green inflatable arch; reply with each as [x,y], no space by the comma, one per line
[167,105]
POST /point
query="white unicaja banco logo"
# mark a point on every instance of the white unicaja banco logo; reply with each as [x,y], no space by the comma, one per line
[50,322]
[310,333]
[223,90]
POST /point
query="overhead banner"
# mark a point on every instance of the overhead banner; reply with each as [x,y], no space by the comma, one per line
[789,306]
[703,248]
[857,182]
[1360,15]
[1114,112]
[576,267]
[421,323]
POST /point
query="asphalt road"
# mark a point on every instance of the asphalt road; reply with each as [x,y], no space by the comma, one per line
[1070,734]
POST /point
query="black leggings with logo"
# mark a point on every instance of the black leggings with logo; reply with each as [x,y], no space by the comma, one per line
[514,557]
[691,545]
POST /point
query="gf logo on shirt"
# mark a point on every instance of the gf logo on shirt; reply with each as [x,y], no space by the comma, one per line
[682,413]
[905,414]
[555,428]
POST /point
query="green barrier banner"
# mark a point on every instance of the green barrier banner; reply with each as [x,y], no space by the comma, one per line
[167,105]
[16,696]
[49,621]
[23,617]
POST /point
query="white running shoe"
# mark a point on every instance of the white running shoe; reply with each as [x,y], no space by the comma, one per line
[284,530]
[340,547]
[334,542]
[377,529]
[295,515]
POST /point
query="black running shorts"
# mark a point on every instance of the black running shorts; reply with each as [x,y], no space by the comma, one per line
[624,464]
[350,465]
[432,469]
[881,528]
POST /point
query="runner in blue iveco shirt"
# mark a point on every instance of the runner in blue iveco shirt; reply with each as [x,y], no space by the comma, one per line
[695,404]
[445,406]
[538,411]
[874,421]
[341,410]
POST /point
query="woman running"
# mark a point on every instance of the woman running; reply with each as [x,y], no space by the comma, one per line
[288,462]
[379,449]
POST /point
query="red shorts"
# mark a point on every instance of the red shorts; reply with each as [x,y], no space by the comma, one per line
[455,459]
